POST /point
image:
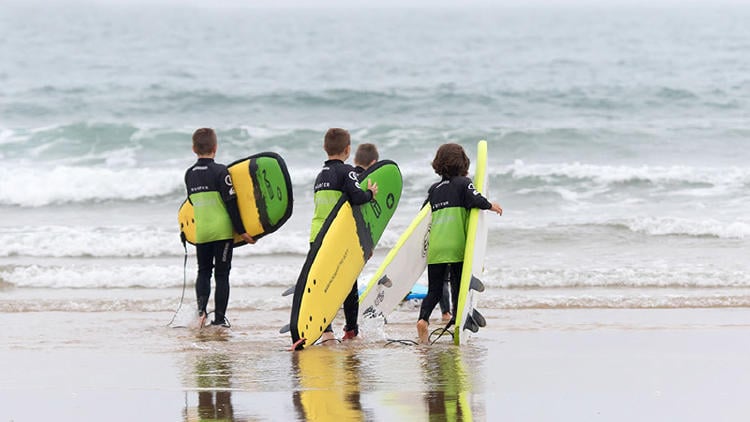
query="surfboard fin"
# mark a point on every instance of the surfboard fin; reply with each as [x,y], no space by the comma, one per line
[284,329]
[385,281]
[476,284]
[289,291]
[371,313]
[471,325]
[478,318]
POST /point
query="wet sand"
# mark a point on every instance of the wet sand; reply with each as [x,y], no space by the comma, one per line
[536,364]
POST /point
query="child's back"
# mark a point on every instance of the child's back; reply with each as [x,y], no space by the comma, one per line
[335,180]
[450,200]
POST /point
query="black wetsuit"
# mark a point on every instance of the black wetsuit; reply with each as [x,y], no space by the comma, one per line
[450,199]
[209,184]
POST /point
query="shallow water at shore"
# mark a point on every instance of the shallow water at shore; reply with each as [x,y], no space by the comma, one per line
[533,364]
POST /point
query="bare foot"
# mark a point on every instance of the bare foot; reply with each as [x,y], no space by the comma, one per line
[422,332]
[201,319]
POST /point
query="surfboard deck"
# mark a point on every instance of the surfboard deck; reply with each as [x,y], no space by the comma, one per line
[338,254]
[401,268]
[264,197]
[468,319]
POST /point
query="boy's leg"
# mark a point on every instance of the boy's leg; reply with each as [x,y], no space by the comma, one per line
[455,270]
[351,309]
[435,278]
[205,256]
[223,258]
[445,301]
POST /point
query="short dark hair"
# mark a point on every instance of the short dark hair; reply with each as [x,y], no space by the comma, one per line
[336,141]
[366,154]
[204,141]
[451,160]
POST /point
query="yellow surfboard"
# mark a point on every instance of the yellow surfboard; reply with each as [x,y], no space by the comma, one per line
[340,251]
[468,319]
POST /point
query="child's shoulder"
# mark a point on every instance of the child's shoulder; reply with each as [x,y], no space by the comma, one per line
[461,180]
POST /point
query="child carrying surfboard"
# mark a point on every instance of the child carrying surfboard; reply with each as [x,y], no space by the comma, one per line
[334,180]
[210,190]
[366,156]
[450,200]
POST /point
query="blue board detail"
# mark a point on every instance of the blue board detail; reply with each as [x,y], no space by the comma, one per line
[419,291]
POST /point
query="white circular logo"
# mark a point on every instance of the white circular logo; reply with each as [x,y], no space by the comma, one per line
[228,180]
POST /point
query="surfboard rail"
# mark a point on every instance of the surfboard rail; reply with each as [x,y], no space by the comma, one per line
[476,243]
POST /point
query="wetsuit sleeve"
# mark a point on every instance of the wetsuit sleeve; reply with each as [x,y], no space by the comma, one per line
[351,187]
[429,194]
[185,179]
[472,198]
[226,189]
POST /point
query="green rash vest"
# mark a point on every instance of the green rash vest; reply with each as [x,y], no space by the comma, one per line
[450,200]
[334,180]
[210,190]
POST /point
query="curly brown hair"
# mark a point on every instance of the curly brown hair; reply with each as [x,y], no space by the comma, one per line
[451,160]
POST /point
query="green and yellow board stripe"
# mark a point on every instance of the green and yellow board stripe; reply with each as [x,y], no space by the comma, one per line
[264,197]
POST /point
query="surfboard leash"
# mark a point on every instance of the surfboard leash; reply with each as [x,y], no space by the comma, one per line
[401,342]
[408,342]
[297,343]
[442,331]
[184,279]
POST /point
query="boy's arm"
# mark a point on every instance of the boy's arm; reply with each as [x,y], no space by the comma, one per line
[357,196]
[474,199]
[228,195]
[429,193]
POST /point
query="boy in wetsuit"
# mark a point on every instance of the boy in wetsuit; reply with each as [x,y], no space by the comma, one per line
[366,156]
[334,180]
[209,189]
[450,200]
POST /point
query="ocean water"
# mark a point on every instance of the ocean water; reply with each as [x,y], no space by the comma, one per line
[618,142]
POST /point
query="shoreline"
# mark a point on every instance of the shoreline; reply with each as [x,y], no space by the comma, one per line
[618,364]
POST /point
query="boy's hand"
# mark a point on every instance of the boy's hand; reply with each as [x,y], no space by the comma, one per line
[247,238]
[496,208]
[372,187]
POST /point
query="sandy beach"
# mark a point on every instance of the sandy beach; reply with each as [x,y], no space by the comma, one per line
[532,364]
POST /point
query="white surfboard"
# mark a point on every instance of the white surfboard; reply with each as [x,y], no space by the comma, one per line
[468,319]
[400,269]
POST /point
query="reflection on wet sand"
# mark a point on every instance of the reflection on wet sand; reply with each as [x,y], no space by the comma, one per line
[328,385]
[213,378]
[448,385]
